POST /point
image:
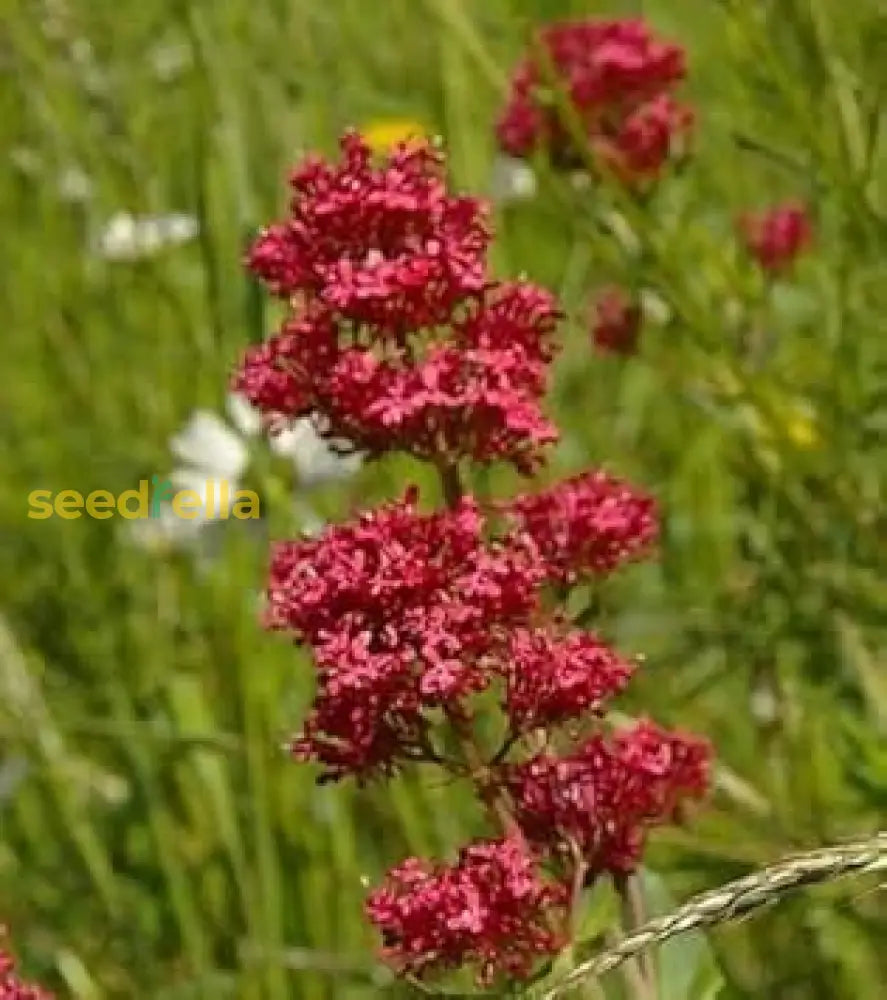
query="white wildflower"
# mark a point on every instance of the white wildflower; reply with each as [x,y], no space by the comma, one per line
[74,185]
[169,60]
[512,180]
[129,238]
[214,455]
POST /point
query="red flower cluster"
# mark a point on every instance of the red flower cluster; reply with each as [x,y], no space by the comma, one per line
[11,987]
[404,613]
[388,248]
[407,612]
[551,678]
[775,237]
[616,323]
[397,336]
[603,797]
[588,524]
[618,77]
[490,909]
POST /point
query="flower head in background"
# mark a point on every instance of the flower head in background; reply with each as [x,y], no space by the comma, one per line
[11,986]
[383,135]
[776,236]
[128,238]
[619,78]
[616,322]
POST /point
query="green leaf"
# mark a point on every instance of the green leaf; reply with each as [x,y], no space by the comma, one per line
[686,964]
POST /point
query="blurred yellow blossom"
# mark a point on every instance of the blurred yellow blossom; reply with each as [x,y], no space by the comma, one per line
[383,134]
[801,429]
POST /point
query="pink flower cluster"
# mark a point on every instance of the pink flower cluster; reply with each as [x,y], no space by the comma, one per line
[398,340]
[11,987]
[619,78]
[397,337]
[775,237]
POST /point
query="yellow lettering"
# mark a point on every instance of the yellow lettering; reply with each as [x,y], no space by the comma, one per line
[141,497]
[68,504]
[246,505]
[100,505]
[185,504]
[40,504]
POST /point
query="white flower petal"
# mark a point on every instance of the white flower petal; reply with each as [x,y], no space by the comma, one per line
[129,238]
[245,417]
[512,180]
[216,495]
[169,60]
[165,532]
[209,444]
[74,185]
[315,461]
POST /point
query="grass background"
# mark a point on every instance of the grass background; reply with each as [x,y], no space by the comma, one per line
[159,844]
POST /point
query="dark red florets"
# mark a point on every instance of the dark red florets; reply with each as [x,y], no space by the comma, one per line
[618,77]
[606,795]
[777,236]
[646,139]
[475,392]
[553,677]
[403,612]
[616,322]
[380,245]
[589,524]
[397,339]
[491,910]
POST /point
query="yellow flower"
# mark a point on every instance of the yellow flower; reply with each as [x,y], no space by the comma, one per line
[383,134]
[800,429]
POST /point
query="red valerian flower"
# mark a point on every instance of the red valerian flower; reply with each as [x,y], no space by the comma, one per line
[616,322]
[403,612]
[11,987]
[775,237]
[589,524]
[551,678]
[475,392]
[396,339]
[606,795]
[646,139]
[490,909]
[381,245]
[618,77]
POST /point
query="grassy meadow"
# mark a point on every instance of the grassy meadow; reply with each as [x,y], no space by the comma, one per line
[154,839]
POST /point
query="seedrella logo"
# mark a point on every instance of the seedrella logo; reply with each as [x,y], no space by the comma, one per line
[217,499]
